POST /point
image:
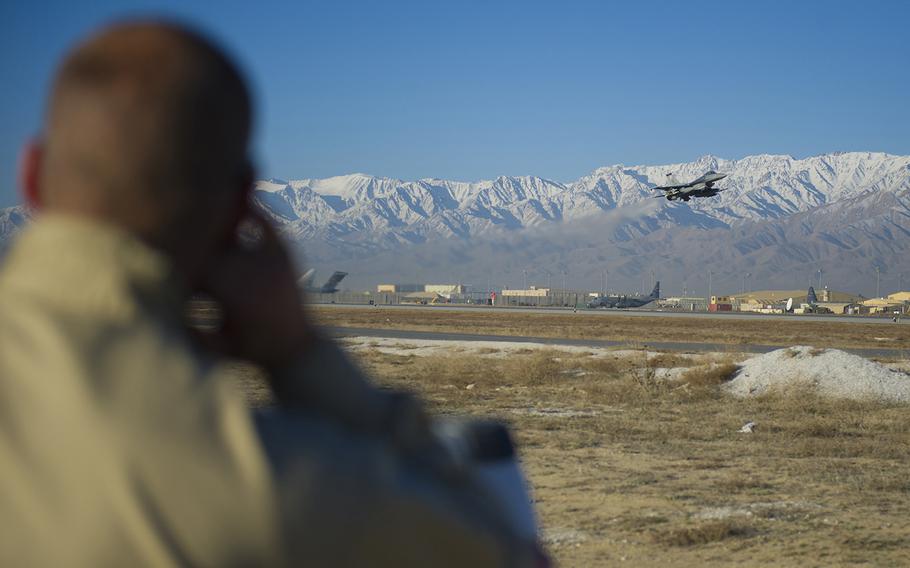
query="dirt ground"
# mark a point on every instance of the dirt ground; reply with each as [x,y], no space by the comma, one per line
[627,467]
[618,327]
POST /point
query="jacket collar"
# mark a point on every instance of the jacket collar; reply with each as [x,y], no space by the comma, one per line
[82,265]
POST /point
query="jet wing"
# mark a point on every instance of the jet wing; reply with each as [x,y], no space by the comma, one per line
[672,187]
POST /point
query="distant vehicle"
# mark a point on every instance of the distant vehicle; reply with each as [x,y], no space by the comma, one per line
[620,301]
[701,187]
[330,286]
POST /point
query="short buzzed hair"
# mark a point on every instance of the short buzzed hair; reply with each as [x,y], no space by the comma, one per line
[145,120]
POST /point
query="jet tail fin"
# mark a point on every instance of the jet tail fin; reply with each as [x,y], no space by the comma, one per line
[655,293]
[331,285]
[307,279]
[811,298]
[671,179]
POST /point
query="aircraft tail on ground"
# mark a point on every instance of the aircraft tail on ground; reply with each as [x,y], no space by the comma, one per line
[307,279]
[331,285]
[655,293]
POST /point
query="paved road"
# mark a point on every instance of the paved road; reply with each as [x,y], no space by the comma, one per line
[665,346]
[630,312]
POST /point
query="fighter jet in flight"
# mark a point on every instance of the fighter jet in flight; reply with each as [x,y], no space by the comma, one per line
[330,286]
[626,301]
[701,187]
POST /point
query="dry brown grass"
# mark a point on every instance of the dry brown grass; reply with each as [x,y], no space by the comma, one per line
[625,465]
[703,533]
[670,360]
[711,375]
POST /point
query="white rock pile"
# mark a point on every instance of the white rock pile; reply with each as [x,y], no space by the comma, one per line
[830,372]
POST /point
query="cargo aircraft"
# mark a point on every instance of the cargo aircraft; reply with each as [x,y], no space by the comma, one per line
[626,301]
[330,286]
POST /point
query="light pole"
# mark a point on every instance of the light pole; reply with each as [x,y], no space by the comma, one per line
[819,279]
[548,279]
[525,273]
[564,274]
[878,283]
[710,276]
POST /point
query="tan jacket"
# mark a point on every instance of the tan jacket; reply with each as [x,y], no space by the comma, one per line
[122,445]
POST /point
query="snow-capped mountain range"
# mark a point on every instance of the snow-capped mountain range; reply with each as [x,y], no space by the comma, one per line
[843,213]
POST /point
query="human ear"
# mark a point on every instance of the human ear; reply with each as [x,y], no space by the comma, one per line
[30,162]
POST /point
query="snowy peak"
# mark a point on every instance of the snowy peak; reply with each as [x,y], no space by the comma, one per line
[12,220]
[759,187]
[353,187]
[843,202]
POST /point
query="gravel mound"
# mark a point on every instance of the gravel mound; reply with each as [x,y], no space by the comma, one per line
[831,372]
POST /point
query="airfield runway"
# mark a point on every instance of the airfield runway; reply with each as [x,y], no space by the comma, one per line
[657,330]
[725,316]
[727,332]
[593,343]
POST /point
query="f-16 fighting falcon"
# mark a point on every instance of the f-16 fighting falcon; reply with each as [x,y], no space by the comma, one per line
[701,187]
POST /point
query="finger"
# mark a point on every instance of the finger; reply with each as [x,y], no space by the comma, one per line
[212,341]
[271,242]
[257,218]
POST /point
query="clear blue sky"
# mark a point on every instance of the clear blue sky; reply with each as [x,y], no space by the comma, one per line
[471,90]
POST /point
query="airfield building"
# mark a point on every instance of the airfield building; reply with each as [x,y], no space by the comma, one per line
[721,304]
[883,306]
[688,303]
[399,288]
[765,300]
[532,292]
[424,298]
[446,290]
[540,296]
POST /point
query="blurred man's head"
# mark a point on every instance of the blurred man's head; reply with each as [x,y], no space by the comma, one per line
[147,128]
